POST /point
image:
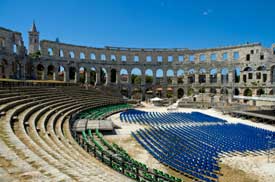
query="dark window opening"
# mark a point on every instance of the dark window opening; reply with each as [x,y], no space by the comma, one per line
[244,78]
[261,57]
[264,77]
[250,75]
[258,75]
[248,57]
[252,52]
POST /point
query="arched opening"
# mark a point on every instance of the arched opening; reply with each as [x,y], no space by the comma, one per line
[50,72]
[213,75]
[50,51]
[180,93]
[261,73]
[191,76]
[180,76]
[149,93]
[224,91]
[93,76]
[103,57]
[3,68]
[136,76]
[169,93]
[202,90]
[247,92]
[236,91]
[237,74]
[82,75]
[159,76]
[40,72]
[124,76]
[247,74]
[261,68]
[103,76]
[224,74]
[113,76]
[92,56]
[61,53]
[159,92]
[72,73]
[202,76]
[190,92]
[272,72]
[260,92]
[170,75]
[271,92]
[81,55]
[136,93]
[213,91]
[61,73]
[124,91]
[148,76]
[71,54]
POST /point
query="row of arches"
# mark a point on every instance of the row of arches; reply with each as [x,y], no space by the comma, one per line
[11,69]
[135,75]
[180,92]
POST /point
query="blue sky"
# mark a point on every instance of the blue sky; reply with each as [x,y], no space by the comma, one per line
[144,23]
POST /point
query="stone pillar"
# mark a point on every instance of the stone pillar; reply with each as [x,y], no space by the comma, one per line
[207,78]
[129,77]
[218,78]
[44,75]
[268,78]
[55,75]
[185,79]
[76,77]
[230,77]
[196,78]
[108,76]
[98,82]
[117,77]
[66,76]
[87,77]
[241,78]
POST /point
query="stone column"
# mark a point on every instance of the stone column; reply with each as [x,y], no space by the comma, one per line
[268,78]
[98,82]
[76,77]
[44,75]
[87,77]
[55,75]
[117,77]
[207,78]
[66,76]
[230,77]
[196,78]
[218,78]
[108,70]
[241,78]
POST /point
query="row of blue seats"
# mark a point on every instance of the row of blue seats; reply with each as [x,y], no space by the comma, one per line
[155,118]
[195,150]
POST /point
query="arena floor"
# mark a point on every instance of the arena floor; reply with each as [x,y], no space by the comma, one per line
[241,168]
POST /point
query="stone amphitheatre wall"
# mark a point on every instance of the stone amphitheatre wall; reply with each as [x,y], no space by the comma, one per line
[246,69]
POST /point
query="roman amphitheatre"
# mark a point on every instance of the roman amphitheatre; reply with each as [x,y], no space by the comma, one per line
[77,113]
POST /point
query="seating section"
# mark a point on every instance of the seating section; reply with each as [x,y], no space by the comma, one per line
[192,143]
[101,112]
[156,118]
[113,155]
[35,138]
[195,150]
[121,161]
